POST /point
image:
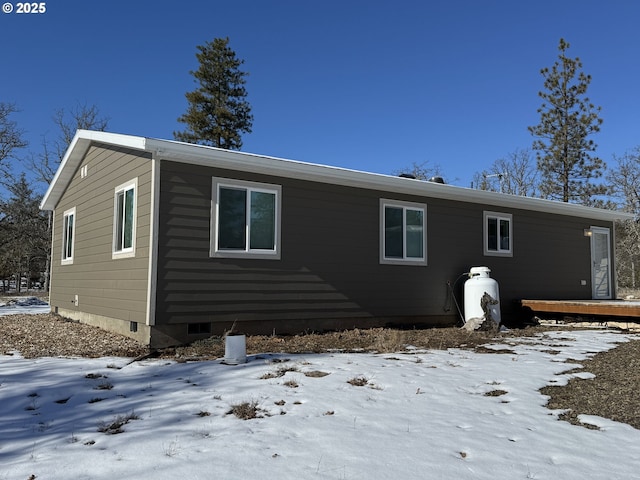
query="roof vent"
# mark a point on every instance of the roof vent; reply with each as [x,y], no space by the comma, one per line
[407,175]
[436,179]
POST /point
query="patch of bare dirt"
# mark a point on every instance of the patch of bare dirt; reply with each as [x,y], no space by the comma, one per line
[53,336]
[612,393]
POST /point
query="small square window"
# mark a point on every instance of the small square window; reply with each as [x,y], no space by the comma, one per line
[403,233]
[498,234]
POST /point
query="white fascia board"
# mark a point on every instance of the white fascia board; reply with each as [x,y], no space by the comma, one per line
[74,155]
[247,162]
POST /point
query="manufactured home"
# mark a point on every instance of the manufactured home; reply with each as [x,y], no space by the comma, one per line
[168,242]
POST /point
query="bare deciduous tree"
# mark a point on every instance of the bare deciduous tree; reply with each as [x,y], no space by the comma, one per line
[80,117]
[515,174]
[421,171]
[45,163]
[625,183]
[11,138]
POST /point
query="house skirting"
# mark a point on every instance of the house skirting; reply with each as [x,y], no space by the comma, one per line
[115,325]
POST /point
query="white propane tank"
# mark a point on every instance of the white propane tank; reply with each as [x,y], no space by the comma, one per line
[475,287]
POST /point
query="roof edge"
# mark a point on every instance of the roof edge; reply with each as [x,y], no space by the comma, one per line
[203,155]
[74,155]
[250,162]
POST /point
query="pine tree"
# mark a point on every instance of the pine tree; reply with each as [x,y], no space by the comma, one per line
[563,144]
[23,232]
[218,111]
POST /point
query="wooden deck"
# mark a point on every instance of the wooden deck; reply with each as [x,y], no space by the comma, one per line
[611,308]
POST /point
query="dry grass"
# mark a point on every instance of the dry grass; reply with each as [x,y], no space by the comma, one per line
[495,393]
[358,381]
[246,410]
[378,340]
[315,374]
[280,372]
[115,426]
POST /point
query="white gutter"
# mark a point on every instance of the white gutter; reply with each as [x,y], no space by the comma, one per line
[248,162]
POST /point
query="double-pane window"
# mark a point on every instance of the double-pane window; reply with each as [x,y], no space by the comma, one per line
[245,219]
[498,237]
[403,233]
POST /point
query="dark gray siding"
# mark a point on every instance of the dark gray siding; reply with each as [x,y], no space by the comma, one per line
[329,275]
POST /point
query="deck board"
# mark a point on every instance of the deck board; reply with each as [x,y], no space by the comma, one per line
[615,308]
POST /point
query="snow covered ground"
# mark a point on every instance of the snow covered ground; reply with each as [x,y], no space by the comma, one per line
[419,415]
[24,305]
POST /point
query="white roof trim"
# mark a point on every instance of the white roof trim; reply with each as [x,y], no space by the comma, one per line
[74,156]
[248,162]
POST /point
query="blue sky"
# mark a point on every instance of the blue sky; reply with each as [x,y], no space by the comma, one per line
[369,85]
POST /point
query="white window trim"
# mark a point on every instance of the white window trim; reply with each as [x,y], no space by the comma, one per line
[485,234]
[407,260]
[67,213]
[247,253]
[130,251]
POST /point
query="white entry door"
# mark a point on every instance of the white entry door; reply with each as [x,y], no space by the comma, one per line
[600,263]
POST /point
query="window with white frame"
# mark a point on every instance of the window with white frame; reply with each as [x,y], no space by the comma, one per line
[245,219]
[68,235]
[124,221]
[403,232]
[498,234]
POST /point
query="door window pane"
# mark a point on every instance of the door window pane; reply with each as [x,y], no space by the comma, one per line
[601,268]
